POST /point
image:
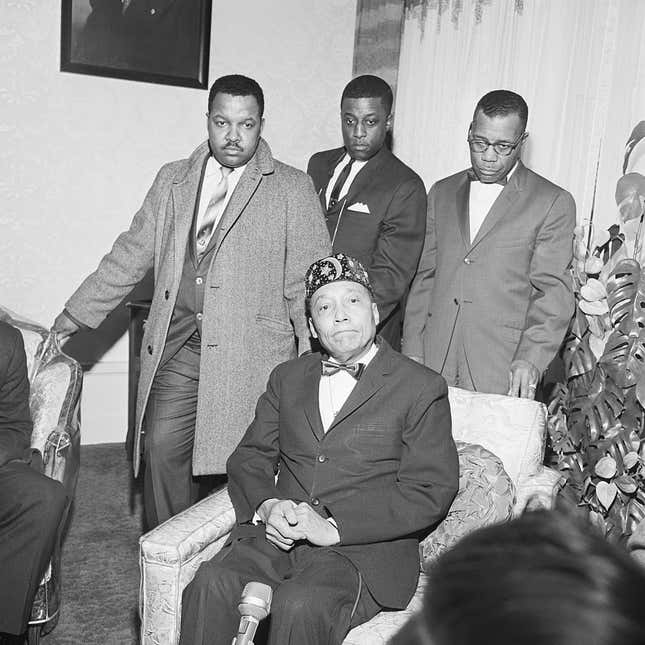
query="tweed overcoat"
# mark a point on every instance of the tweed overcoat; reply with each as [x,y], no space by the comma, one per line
[509,290]
[269,234]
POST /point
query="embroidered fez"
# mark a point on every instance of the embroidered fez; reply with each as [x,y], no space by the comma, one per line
[335,268]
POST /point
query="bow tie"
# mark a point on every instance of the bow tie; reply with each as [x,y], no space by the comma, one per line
[329,368]
[473,177]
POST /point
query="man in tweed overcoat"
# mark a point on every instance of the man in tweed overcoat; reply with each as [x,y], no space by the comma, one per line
[228,301]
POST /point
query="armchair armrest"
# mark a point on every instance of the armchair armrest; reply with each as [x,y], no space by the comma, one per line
[537,490]
[169,556]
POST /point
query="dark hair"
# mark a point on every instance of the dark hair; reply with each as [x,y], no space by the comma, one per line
[542,579]
[503,103]
[236,85]
[369,87]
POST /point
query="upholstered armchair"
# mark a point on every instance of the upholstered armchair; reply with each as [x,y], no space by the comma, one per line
[55,394]
[500,443]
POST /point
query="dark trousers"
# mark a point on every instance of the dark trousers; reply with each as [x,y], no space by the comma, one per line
[31,508]
[318,595]
[169,486]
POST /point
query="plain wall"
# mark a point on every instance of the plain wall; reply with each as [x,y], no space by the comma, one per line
[79,152]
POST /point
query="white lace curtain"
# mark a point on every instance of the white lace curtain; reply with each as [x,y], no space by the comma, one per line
[580,65]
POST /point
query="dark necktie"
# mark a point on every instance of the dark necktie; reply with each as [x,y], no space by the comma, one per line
[329,368]
[340,182]
[473,177]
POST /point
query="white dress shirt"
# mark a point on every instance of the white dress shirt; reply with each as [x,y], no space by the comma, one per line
[355,169]
[212,177]
[335,389]
[481,199]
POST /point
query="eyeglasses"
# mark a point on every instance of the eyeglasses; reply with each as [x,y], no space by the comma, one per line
[501,148]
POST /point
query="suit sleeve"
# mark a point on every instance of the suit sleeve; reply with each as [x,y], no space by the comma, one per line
[420,296]
[15,418]
[426,483]
[307,241]
[252,466]
[398,246]
[551,304]
[131,256]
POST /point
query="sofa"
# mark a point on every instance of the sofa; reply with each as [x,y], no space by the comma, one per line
[55,382]
[507,433]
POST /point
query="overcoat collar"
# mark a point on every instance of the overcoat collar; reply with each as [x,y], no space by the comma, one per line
[185,191]
[372,380]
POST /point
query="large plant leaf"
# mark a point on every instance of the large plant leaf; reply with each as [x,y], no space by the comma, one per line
[630,196]
[622,286]
[577,356]
[592,415]
[624,360]
[637,134]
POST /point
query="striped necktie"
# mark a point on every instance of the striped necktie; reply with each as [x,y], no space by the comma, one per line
[213,210]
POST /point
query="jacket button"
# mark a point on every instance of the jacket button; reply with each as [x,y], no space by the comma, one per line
[322,459]
[315,501]
[150,349]
[199,279]
[456,301]
[166,295]
[467,261]
[199,316]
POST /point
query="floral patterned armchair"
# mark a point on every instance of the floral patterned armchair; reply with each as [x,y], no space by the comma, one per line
[55,396]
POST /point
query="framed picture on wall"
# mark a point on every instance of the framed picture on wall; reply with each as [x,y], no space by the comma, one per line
[158,41]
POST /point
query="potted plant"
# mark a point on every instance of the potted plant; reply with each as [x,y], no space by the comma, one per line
[597,414]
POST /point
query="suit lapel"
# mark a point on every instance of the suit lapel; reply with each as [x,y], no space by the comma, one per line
[311,387]
[463,209]
[370,383]
[365,174]
[184,201]
[322,193]
[246,186]
[503,205]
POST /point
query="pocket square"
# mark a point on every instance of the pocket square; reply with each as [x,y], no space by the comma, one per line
[359,207]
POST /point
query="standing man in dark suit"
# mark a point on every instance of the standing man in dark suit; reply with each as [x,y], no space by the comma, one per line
[31,504]
[493,296]
[375,205]
[230,232]
[361,440]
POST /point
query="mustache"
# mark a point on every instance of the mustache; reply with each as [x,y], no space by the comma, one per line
[235,146]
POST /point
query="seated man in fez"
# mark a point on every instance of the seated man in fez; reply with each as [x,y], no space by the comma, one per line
[31,504]
[361,440]
[492,297]
[375,205]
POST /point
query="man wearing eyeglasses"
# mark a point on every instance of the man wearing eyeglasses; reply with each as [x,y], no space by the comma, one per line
[492,297]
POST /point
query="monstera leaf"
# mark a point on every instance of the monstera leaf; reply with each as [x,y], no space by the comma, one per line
[576,354]
[624,360]
[630,196]
[592,415]
[637,134]
[622,286]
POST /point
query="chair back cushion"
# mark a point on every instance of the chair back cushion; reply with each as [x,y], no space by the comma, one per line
[486,496]
[513,429]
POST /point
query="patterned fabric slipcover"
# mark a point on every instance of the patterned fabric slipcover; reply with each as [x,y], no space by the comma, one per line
[55,394]
[512,429]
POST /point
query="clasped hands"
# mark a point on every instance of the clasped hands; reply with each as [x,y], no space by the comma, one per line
[287,522]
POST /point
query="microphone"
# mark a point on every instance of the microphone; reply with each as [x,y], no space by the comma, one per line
[255,605]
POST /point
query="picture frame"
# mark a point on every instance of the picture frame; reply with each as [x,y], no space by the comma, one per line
[155,41]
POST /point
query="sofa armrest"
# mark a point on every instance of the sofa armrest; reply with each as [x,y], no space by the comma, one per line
[169,556]
[537,490]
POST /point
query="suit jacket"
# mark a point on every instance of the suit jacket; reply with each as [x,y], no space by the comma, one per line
[387,240]
[386,470]
[509,289]
[271,231]
[15,418]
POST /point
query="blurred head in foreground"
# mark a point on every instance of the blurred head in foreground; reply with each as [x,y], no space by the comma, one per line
[542,579]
